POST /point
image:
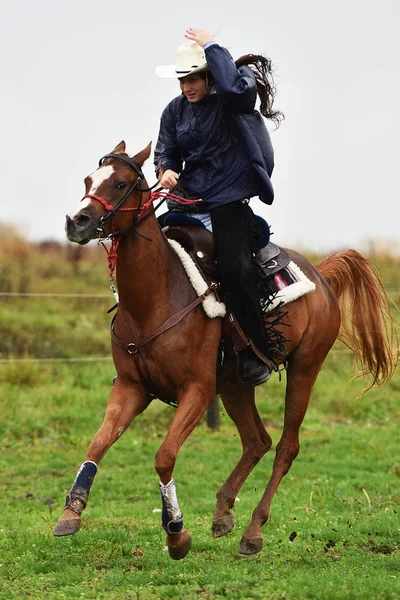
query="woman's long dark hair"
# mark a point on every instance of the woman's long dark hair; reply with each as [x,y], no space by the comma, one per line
[262,68]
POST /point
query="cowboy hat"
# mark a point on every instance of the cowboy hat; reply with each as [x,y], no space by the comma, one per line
[190,59]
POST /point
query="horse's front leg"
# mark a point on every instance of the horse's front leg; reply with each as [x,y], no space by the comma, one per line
[192,405]
[125,403]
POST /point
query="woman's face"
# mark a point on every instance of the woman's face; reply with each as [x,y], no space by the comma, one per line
[194,87]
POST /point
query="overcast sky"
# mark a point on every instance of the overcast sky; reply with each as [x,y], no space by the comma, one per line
[77,76]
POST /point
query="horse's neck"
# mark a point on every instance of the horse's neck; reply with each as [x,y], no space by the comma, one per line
[144,270]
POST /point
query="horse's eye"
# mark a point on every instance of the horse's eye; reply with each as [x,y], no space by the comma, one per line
[121,185]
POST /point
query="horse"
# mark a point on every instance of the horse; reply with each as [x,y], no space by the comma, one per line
[154,349]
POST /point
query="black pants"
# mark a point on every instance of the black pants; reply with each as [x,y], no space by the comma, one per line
[233,231]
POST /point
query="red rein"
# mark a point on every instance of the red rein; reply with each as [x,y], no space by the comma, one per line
[112,253]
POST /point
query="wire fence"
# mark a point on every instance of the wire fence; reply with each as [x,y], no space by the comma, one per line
[50,295]
[83,359]
[93,359]
[56,360]
[390,293]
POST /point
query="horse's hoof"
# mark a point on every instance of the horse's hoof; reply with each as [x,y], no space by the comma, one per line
[222,526]
[178,550]
[250,545]
[67,526]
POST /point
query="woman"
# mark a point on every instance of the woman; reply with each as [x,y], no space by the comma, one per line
[213,145]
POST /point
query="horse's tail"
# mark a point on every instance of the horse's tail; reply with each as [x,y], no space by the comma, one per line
[367,324]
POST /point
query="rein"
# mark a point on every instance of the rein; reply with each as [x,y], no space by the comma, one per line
[115,236]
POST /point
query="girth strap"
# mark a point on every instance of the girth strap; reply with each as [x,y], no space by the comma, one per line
[134,347]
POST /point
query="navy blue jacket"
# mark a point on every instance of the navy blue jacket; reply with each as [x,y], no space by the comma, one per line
[219,145]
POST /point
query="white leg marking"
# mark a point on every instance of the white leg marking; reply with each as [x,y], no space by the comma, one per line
[171,500]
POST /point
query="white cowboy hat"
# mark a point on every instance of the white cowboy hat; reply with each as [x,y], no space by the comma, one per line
[190,58]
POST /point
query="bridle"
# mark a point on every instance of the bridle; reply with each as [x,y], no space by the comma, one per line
[115,236]
[112,210]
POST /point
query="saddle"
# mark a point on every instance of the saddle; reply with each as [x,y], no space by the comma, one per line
[200,244]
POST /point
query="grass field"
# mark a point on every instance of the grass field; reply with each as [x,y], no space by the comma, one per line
[334,530]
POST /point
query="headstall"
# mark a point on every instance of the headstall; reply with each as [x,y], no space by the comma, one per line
[115,236]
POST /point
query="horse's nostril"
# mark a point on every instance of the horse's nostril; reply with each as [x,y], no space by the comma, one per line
[79,228]
[81,220]
[78,224]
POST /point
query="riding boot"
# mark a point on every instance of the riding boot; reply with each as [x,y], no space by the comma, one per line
[247,310]
[252,369]
[232,228]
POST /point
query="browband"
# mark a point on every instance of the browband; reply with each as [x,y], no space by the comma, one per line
[126,159]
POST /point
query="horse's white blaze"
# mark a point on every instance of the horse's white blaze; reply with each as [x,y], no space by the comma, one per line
[98,177]
[82,204]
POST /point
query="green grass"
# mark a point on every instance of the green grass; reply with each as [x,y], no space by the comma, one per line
[341,498]
[347,546]
[54,327]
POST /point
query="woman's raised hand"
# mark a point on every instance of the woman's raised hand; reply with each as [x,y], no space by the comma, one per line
[199,35]
[169,179]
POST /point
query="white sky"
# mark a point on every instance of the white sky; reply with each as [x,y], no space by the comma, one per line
[77,76]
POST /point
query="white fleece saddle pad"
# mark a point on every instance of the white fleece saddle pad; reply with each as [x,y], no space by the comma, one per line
[286,286]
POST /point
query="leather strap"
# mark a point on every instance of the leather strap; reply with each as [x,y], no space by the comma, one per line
[174,527]
[134,347]
[75,503]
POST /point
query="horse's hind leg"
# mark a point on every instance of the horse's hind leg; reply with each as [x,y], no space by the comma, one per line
[124,405]
[240,405]
[301,376]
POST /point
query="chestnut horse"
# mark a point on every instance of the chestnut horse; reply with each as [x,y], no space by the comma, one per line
[181,362]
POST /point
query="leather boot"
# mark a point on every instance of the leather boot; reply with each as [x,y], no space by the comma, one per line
[252,369]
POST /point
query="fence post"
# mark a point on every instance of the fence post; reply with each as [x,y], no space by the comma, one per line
[213,414]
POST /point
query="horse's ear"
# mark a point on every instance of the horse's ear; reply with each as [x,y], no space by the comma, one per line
[120,148]
[143,155]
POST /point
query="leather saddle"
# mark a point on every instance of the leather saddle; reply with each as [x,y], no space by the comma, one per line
[199,243]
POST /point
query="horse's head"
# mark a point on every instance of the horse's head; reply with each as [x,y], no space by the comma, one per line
[113,193]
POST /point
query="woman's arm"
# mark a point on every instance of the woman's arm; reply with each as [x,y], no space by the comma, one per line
[167,154]
[237,87]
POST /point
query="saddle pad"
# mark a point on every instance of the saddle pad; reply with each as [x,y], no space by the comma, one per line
[211,306]
[288,285]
